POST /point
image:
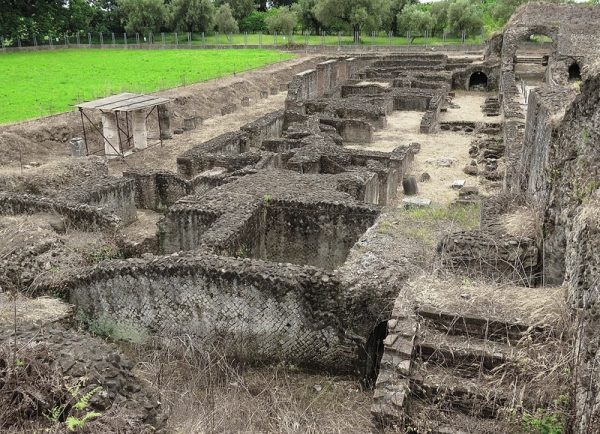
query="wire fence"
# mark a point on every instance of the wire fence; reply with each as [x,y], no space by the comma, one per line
[209,40]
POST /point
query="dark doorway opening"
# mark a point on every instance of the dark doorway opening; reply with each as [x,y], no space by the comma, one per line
[545,60]
[574,72]
[374,353]
[478,81]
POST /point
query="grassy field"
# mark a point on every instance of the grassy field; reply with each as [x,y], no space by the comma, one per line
[47,82]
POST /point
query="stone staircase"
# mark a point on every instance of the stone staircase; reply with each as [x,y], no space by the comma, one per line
[456,373]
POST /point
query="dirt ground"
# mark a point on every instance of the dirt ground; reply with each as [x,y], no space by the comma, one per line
[403,128]
[164,157]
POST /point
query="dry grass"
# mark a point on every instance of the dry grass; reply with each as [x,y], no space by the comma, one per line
[39,311]
[202,391]
[522,222]
[485,298]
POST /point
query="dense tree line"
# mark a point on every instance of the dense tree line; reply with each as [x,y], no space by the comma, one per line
[25,18]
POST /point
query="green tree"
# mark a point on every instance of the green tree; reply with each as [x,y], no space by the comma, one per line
[353,15]
[414,18]
[143,16]
[80,14]
[502,10]
[225,21]
[305,11]
[240,9]
[390,22]
[107,17]
[255,22]
[464,16]
[283,21]
[193,15]
[439,13]
[24,19]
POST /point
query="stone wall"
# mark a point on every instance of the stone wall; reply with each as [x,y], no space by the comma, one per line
[157,190]
[77,215]
[319,234]
[267,127]
[545,109]
[114,195]
[253,310]
[192,162]
[315,83]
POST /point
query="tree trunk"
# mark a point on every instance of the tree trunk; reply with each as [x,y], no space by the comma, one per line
[356,36]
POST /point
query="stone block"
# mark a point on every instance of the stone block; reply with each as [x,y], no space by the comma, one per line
[245,101]
[228,109]
[415,202]
[458,184]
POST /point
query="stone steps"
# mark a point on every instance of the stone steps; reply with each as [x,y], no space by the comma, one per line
[465,370]
[475,326]
[442,421]
[473,396]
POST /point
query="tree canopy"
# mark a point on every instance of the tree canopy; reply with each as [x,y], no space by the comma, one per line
[25,18]
[225,21]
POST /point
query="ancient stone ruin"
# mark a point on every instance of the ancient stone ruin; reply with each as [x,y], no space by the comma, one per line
[425,221]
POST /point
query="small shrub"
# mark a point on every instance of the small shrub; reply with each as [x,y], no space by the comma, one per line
[109,328]
[103,253]
[543,422]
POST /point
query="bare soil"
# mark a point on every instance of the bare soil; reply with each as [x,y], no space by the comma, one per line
[403,128]
[164,158]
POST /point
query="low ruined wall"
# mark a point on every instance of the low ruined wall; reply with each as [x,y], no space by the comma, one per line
[267,127]
[319,234]
[192,162]
[157,190]
[250,309]
[77,215]
[317,82]
[351,130]
[115,195]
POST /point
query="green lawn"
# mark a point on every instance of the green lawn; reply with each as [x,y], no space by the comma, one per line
[41,83]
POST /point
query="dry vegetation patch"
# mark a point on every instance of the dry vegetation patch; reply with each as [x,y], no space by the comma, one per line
[204,392]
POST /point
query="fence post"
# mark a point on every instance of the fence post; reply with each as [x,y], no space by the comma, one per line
[176,40]
[204,39]
[408,37]
[2,42]
[463,37]
[34,41]
[162,36]
[137,39]
[77,38]
[260,35]
[101,40]
[444,35]
[18,42]
[322,38]
[125,39]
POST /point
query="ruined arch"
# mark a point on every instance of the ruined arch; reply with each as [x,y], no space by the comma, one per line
[478,81]
[514,36]
[574,72]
